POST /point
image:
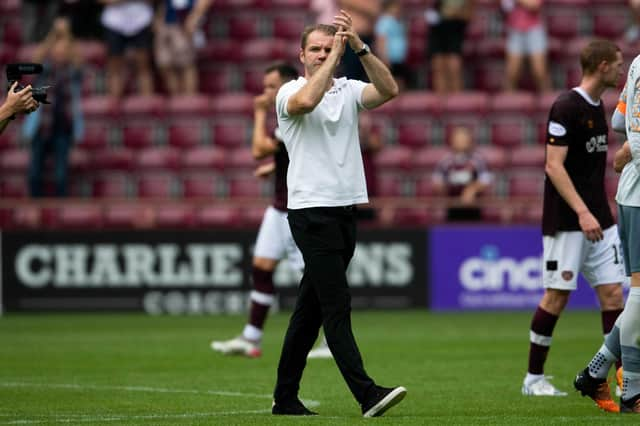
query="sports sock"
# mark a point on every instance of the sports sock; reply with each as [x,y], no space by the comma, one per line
[262,297]
[608,353]
[630,345]
[542,327]
[609,319]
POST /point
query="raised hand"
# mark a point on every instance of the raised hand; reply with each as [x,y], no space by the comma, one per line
[346,31]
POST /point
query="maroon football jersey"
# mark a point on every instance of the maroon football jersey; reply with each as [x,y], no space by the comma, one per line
[586,162]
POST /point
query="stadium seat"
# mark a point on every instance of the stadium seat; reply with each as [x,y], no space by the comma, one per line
[527,157]
[196,185]
[218,216]
[139,106]
[417,102]
[494,156]
[159,185]
[175,216]
[610,22]
[215,81]
[233,104]
[424,186]
[244,27]
[241,158]
[13,186]
[253,80]
[111,185]
[427,158]
[79,160]
[417,25]
[186,135]
[264,49]
[509,132]
[476,103]
[100,107]
[488,75]
[522,103]
[288,25]
[80,216]
[15,160]
[479,27]
[390,185]
[157,158]
[231,134]
[10,137]
[188,106]
[410,217]
[30,216]
[12,33]
[252,216]
[563,23]
[475,124]
[236,4]
[139,135]
[247,187]
[112,159]
[96,135]
[526,184]
[93,52]
[203,158]
[493,49]
[394,157]
[415,133]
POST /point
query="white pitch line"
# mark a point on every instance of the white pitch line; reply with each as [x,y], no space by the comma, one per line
[124,417]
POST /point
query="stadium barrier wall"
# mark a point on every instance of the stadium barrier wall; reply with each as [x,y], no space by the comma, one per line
[491,268]
[188,272]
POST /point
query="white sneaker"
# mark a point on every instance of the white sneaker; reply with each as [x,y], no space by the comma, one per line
[321,352]
[238,346]
[541,387]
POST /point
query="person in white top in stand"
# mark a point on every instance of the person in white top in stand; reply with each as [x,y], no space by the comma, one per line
[318,121]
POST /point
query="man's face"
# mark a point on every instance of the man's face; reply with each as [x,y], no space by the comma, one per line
[272,83]
[614,71]
[316,51]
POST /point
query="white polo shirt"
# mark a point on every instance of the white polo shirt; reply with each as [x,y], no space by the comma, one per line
[325,163]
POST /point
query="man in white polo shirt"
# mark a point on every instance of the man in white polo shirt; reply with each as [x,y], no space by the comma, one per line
[318,121]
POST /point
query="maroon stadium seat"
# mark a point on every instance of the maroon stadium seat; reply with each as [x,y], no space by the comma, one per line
[175,216]
[111,185]
[244,27]
[143,106]
[231,134]
[186,135]
[112,159]
[100,107]
[512,102]
[415,133]
[417,102]
[526,184]
[253,80]
[188,106]
[509,132]
[288,25]
[30,216]
[215,81]
[139,134]
[394,157]
[241,158]
[247,187]
[424,186]
[287,5]
[252,216]
[411,217]
[203,158]
[488,75]
[96,135]
[200,185]
[218,216]
[85,216]
[236,4]
[79,159]
[476,103]
[159,185]
[10,137]
[128,215]
[389,185]
[264,49]
[15,160]
[13,186]
[233,104]
[427,158]
[527,156]
[12,33]
[494,156]
[93,52]
[157,158]
[563,22]
[610,22]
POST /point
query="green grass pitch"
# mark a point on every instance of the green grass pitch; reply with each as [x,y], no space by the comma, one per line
[113,369]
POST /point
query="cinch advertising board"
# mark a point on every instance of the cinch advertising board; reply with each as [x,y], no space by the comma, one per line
[491,268]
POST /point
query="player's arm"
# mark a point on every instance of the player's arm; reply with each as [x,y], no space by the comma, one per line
[622,157]
[265,170]
[261,144]
[555,170]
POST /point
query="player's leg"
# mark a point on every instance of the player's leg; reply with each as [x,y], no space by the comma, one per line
[269,249]
[630,323]
[562,257]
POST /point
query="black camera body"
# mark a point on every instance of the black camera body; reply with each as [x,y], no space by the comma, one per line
[16,71]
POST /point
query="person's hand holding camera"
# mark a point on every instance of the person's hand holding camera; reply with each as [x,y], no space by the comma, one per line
[21,101]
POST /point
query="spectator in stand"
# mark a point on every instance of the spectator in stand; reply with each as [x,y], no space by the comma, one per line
[447,21]
[463,176]
[56,127]
[364,14]
[177,37]
[127,25]
[526,38]
[84,16]
[20,102]
[633,33]
[37,17]
[391,41]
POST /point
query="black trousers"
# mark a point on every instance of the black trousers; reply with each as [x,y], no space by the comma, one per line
[326,237]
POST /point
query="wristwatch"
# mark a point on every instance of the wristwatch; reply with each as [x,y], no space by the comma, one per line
[364,51]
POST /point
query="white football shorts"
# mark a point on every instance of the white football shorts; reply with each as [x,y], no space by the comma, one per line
[275,240]
[568,253]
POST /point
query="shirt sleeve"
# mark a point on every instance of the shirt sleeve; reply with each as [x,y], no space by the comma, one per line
[282,99]
[618,122]
[560,124]
[357,88]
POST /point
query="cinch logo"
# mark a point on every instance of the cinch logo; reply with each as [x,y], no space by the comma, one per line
[491,272]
